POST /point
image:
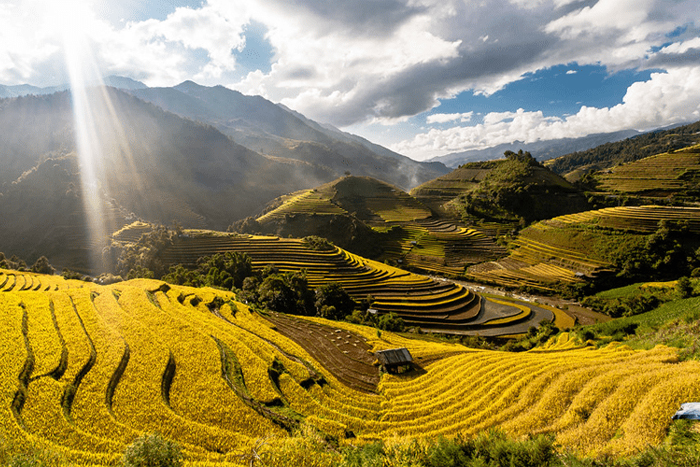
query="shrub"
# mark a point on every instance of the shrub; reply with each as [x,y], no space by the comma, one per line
[42,266]
[315,242]
[152,450]
[369,455]
[391,322]
[333,302]
[684,288]
[69,274]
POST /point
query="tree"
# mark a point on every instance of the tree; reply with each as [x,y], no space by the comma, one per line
[248,225]
[684,287]
[391,322]
[333,302]
[42,266]
[287,293]
[521,157]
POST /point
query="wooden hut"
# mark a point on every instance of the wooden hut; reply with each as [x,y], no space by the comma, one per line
[395,360]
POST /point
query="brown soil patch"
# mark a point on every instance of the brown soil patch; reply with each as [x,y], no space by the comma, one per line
[345,354]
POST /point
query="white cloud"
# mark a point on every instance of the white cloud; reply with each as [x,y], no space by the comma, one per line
[604,17]
[445,118]
[681,47]
[571,72]
[364,60]
[666,98]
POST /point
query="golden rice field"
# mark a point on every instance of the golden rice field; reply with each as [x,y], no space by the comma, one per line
[85,369]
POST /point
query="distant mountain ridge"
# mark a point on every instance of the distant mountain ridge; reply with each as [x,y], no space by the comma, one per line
[157,166]
[119,82]
[275,130]
[541,150]
[164,165]
[575,164]
[271,129]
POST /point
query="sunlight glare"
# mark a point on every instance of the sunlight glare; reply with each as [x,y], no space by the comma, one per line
[72,18]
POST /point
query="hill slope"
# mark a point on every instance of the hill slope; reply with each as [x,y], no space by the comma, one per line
[630,149]
[272,129]
[607,245]
[541,150]
[505,190]
[669,175]
[83,371]
[150,164]
[377,220]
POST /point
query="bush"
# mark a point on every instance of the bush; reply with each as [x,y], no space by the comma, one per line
[315,242]
[152,450]
[369,455]
[684,288]
[69,274]
[107,278]
[391,322]
[333,302]
[42,266]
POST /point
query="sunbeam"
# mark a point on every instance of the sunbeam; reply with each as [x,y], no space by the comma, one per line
[98,132]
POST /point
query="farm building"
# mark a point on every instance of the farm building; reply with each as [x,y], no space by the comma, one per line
[395,360]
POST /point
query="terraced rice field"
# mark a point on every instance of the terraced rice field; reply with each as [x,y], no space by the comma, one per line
[436,193]
[85,370]
[659,175]
[439,247]
[132,232]
[421,242]
[303,202]
[419,300]
[639,218]
[544,253]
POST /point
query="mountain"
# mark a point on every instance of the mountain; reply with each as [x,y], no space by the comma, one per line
[121,82]
[158,156]
[148,164]
[631,149]
[275,130]
[515,189]
[118,82]
[26,89]
[541,150]
[378,220]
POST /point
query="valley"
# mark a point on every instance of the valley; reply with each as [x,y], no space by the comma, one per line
[254,262]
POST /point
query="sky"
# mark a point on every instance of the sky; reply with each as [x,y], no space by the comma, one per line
[422,77]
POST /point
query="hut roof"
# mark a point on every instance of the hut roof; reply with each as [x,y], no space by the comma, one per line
[394,357]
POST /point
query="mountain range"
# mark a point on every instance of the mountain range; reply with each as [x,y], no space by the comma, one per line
[195,155]
[541,150]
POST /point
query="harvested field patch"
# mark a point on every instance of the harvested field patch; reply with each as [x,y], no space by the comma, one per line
[345,354]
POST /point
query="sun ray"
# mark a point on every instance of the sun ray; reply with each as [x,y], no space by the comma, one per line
[98,132]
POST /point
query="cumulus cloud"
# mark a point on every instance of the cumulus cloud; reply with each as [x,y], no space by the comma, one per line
[666,98]
[189,43]
[365,60]
[419,52]
[445,118]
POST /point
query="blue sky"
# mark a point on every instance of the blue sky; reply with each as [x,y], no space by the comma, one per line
[423,77]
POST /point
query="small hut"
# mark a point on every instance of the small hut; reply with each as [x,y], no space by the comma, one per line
[688,411]
[395,360]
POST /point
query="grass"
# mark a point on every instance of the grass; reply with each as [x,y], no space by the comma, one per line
[675,324]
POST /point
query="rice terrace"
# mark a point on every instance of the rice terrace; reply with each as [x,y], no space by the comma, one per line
[350,234]
[88,367]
